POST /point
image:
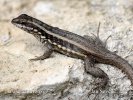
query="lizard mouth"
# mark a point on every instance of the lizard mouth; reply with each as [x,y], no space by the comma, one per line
[22,26]
[26,28]
[19,24]
[22,23]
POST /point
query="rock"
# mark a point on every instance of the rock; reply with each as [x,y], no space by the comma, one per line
[42,8]
[61,77]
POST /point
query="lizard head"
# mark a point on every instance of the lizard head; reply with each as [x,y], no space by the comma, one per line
[25,23]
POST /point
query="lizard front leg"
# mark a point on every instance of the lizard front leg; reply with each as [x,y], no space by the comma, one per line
[96,72]
[47,53]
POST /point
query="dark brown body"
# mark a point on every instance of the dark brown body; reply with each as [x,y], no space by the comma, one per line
[90,49]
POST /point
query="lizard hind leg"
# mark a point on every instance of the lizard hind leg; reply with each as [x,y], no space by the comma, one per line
[95,39]
[97,73]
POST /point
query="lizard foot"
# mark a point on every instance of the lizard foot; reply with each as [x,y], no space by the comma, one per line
[100,84]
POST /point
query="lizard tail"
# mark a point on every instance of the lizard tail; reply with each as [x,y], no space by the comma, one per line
[123,65]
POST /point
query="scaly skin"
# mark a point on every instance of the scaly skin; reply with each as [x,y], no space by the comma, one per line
[91,50]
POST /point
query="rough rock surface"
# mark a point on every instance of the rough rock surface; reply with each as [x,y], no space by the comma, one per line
[21,79]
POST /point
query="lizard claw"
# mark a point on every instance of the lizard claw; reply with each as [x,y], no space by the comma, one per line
[35,59]
[99,85]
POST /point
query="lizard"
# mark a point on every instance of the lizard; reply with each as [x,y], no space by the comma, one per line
[89,49]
